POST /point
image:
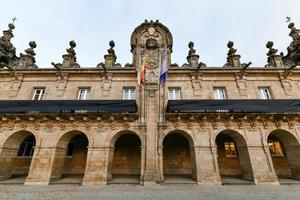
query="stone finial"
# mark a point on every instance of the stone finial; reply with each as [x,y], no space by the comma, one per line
[69,59]
[192,58]
[274,60]
[110,58]
[7,49]
[28,60]
[233,59]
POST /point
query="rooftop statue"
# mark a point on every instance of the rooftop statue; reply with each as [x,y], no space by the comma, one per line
[292,58]
[111,50]
[233,59]
[28,60]
[274,59]
[193,58]
[7,49]
[69,59]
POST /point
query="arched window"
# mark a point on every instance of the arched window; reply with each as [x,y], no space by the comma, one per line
[27,147]
[275,146]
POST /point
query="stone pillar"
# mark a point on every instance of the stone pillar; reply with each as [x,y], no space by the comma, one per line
[41,168]
[236,60]
[193,60]
[206,165]
[293,154]
[151,101]
[143,159]
[97,165]
[6,162]
[262,167]
[278,61]
[260,159]
[161,163]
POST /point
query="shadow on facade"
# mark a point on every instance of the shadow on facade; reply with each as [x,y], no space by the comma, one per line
[70,158]
[125,160]
[285,152]
[233,157]
[16,156]
[178,158]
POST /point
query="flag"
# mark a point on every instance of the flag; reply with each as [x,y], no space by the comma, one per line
[141,70]
[163,71]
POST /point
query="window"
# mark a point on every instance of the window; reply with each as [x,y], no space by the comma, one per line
[219,93]
[27,147]
[84,93]
[264,93]
[174,94]
[275,147]
[70,149]
[38,93]
[129,93]
[230,149]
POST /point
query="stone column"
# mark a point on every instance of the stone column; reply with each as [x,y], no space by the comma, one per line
[206,166]
[7,157]
[97,165]
[161,163]
[260,160]
[151,101]
[262,167]
[143,159]
[206,163]
[293,154]
[41,168]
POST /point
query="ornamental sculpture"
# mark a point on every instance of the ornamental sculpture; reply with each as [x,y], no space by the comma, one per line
[193,58]
[28,60]
[233,59]
[274,60]
[7,50]
[292,59]
[69,59]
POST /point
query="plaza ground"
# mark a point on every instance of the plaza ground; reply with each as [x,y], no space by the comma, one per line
[131,192]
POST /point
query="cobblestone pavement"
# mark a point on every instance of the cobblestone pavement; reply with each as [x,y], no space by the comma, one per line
[128,192]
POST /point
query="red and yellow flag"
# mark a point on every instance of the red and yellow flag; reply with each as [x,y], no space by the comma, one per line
[142,71]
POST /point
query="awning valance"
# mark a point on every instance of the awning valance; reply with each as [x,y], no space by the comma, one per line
[234,106]
[67,106]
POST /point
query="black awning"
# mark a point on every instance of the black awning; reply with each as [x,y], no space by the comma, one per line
[234,106]
[67,106]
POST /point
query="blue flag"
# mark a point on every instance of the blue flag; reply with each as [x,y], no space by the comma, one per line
[163,72]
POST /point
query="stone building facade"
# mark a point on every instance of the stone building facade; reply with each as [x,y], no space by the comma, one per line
[203,125]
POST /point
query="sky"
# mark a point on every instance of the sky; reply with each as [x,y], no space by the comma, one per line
[92,24]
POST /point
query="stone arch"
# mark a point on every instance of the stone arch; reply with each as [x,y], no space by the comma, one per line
[112,140]
[232,154]
[125,163]
[185,133]
[177,156]
[70,155]
[284,150]
[16,154]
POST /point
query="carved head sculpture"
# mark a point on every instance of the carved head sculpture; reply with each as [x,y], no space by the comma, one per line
[151,44]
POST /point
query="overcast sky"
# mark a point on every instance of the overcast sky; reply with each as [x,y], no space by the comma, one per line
[93,23]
